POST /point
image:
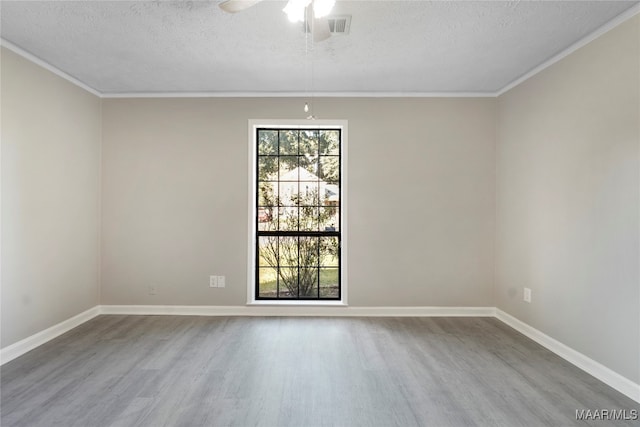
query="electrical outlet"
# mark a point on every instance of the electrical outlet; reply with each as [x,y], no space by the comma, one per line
[152,290]
[527,295]
[221,281]
[213,281]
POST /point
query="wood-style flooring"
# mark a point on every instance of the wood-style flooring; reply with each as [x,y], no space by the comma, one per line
[284,371]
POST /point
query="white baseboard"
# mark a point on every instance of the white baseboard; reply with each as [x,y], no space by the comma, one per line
[590,366]
[9,353]
[293,310]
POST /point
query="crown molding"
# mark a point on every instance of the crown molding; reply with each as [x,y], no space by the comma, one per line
[624,16]
[58,72]
[300,95]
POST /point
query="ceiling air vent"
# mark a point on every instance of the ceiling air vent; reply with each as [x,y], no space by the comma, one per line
[338,24]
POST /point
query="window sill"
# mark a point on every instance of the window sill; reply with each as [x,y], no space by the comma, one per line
[298,303]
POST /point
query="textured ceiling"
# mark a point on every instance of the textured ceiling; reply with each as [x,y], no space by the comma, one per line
[393,46]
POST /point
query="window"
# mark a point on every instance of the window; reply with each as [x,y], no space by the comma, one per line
[298,214]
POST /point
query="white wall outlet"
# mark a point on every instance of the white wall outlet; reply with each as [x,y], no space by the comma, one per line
[152,290]
[527,295]
[213,281]
[221,281]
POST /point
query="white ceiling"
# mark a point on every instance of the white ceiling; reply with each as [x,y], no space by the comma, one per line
[393,46]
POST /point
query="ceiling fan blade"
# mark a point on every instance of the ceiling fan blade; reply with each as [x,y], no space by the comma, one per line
[233,6]
[321,30]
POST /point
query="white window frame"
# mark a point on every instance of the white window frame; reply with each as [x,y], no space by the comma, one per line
[254,124]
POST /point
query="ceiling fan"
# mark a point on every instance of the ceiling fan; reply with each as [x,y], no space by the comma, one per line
[315,17]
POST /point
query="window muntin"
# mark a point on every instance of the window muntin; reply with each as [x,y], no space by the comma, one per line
[298,214]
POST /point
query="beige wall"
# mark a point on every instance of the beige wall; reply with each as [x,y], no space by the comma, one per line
[568,200]
[51,132]
[421,198]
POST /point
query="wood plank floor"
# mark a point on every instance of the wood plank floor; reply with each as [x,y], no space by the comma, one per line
[243,371]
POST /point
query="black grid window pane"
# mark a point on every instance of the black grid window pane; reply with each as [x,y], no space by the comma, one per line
[329,170]
[288,279]
[267,168]
[308,218]
[268,142]
[329,283]
[298,214]
[268,286]
[288,168]
[329,142]
[288,142]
